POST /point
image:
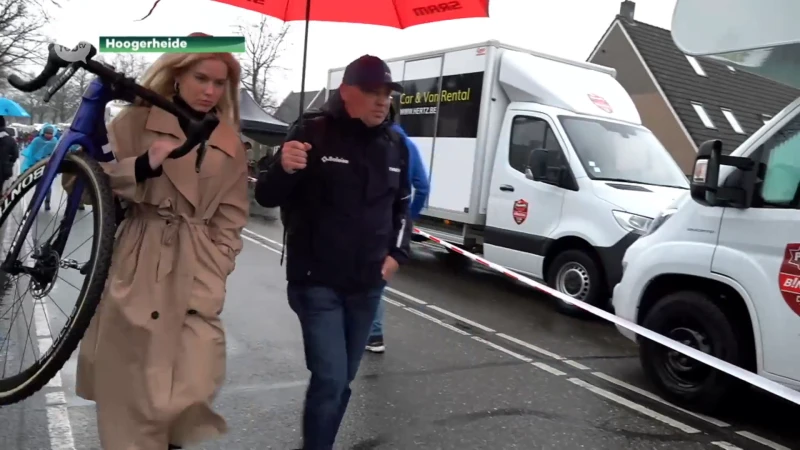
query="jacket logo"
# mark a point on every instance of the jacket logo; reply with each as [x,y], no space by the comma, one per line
[394,169]
[335,160]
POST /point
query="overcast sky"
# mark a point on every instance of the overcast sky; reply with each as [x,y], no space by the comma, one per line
[566,28]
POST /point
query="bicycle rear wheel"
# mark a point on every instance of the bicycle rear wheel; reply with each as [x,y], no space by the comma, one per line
[50,275]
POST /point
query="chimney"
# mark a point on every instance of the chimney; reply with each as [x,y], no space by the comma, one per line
[626,9]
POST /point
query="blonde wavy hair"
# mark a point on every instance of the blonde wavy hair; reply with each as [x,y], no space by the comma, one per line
[161,75]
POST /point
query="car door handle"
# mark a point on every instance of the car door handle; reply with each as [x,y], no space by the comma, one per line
[507,188]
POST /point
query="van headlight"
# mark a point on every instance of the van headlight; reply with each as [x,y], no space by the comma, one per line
[633,223]
[662,217]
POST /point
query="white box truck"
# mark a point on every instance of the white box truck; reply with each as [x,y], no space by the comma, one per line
[541,163]
[719,270]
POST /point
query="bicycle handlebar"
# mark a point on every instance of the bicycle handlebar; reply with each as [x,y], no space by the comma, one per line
[59,57]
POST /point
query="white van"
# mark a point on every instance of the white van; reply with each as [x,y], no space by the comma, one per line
[541,163]
[719,270]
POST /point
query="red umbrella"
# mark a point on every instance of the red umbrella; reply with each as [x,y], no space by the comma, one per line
[391,13]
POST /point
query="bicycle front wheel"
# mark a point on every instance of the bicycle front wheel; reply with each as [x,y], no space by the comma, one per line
[52,285]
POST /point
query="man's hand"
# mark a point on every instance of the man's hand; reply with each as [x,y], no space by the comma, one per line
[294,156]
[390,267]
[159,151]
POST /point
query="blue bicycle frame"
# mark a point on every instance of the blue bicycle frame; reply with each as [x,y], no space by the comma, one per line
[87,130]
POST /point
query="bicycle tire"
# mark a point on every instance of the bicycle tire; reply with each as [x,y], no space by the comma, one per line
[97,184]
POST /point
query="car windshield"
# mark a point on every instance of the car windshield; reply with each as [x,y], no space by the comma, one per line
[619,152]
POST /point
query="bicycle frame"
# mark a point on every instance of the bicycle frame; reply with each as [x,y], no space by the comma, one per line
[87,130]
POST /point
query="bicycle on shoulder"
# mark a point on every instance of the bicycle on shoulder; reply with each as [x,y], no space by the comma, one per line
[40,275]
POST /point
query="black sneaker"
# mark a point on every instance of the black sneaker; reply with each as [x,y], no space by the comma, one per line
[375,344]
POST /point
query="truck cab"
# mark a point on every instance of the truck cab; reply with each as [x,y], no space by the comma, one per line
[570,192]
[719,269]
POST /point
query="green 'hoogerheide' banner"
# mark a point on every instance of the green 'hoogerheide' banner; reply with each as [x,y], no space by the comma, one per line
[172,44]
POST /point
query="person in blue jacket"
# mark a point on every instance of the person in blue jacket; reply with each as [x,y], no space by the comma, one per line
[41,147]
[421,186]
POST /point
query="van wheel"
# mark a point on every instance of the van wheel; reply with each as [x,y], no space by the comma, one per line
[693,319]
[457,261]
[577,274]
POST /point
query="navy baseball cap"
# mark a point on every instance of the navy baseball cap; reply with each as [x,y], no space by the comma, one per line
[370,72]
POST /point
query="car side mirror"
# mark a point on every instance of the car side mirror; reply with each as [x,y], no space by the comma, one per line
[705,187]
[546,166]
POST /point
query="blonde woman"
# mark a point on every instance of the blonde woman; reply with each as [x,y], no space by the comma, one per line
[153,357]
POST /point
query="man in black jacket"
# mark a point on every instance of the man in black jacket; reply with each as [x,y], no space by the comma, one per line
[342,182]
[9,152]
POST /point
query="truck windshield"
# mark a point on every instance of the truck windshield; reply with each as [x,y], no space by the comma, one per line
[619,152]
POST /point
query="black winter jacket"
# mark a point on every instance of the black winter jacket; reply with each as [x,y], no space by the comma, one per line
[348,209]
[9,152]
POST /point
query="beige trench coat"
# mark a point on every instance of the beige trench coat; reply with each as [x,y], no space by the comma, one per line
[153,357]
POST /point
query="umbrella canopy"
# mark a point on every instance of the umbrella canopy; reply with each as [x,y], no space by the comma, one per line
[391,13]
[11,108]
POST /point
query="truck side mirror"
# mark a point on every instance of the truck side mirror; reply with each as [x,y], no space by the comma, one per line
[546,166]
[705,187]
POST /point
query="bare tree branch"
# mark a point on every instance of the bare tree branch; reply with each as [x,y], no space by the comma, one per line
[263,50]
[21,40]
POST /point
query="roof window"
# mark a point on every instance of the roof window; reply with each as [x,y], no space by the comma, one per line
[696,66]
[703,115]
[732,120]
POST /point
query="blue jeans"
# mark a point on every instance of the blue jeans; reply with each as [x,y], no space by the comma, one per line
[377,324]
[335,328]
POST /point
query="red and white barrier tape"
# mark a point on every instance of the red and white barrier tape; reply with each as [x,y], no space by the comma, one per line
[723,366]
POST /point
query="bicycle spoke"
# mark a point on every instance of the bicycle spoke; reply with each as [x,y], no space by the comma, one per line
[65,281]
[27,338]
[5,361]
[59,308]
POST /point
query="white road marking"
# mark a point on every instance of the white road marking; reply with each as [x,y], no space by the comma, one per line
[762,440]
[503,349]
[635,406]
[58,424]
[658,399]
[726,446]
[550,369]
[393,302]
[531,347]
[39,316]
[461,319]
[597,390]
[263,237]
[59,428]
[406,296]
[576,364]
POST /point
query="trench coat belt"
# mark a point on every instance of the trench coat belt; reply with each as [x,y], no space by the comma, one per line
[173,250]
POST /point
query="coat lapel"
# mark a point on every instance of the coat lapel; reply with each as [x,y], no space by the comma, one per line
[181,172]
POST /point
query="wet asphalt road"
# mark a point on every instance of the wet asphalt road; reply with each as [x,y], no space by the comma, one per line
[442,384]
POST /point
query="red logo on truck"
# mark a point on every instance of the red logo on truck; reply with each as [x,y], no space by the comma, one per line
[789,278]
[520,211]
[601,103]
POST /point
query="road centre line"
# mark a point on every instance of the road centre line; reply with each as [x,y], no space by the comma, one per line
[658,399]
[635,406]
[762,440]
[726,445]
[59,427]
[576,381]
